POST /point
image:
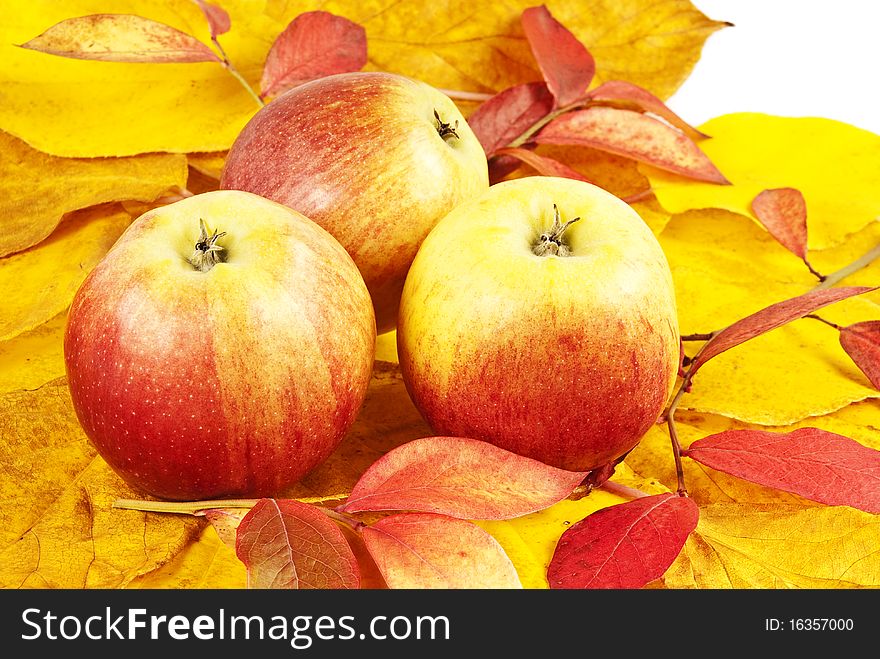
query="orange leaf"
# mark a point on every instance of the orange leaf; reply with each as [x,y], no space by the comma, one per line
[542,164]
[642,99]
[507,115]
[313,45]
[769,318]
[862,342]
[462,478]
[623,546]
[816,464]
[423,550]
[288,544]
[565,63]
[634,135]
[120,38]
[218,20]
[783,212]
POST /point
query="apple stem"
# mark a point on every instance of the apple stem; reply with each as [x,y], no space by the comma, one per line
[444,129]
[551,243]
[207,253]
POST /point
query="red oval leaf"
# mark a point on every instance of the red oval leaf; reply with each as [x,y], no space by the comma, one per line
[815,464]
[313,45]
[541,164]
[783,211]
[620,91]
[862,343]
[623,546]
[288,544]
[120,38]
[565,63]
[218,20]
[462,478]
[776,315]
[632,135]
[508,114]
[422,550]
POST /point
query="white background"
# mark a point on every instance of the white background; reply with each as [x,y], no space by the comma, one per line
[788,57]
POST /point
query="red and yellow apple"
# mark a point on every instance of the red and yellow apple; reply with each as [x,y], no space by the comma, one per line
[549,336]
[221,348]
[374,158]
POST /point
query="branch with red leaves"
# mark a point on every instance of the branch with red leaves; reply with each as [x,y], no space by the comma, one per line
[617,117]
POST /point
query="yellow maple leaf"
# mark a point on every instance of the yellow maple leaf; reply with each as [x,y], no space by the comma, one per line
[36,189]
[40,282]
[33,358]
[57,526]
[779,546]
[201,108]
[758,152]
[725,267]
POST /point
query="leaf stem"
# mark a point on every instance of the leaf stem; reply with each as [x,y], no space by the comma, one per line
[861,262]
[623,490]
[546,119]
[229,66]
[822,320]
[459,95]
[182,507]
[354,524]
[818,275]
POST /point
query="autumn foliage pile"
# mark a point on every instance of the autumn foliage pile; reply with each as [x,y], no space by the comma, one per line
[764,469]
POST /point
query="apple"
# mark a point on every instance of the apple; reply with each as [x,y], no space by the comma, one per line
[221,348]
[550,336]
[375,158]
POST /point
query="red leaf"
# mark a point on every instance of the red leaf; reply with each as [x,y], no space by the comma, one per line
[462,478]
[218,20]
[816,464]
[776,315]
[862,342]
[543,165]
[783,212]
[313,45]
[501,166]
[623,546]
[288,544]
[626,92]
[565,63]
[120,38]
[507,115]
[632,135]
[422,550]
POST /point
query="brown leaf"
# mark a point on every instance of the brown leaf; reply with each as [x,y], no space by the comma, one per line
[769,318]
[315,44]
[288,544]
[623,546]
[783,212]
[542,164]
[462,478]
[507,115]
[862,342]
[423,550]
[635,136]
[120,38]
[628,94]
[565,63]
[816,464]
[218,20]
